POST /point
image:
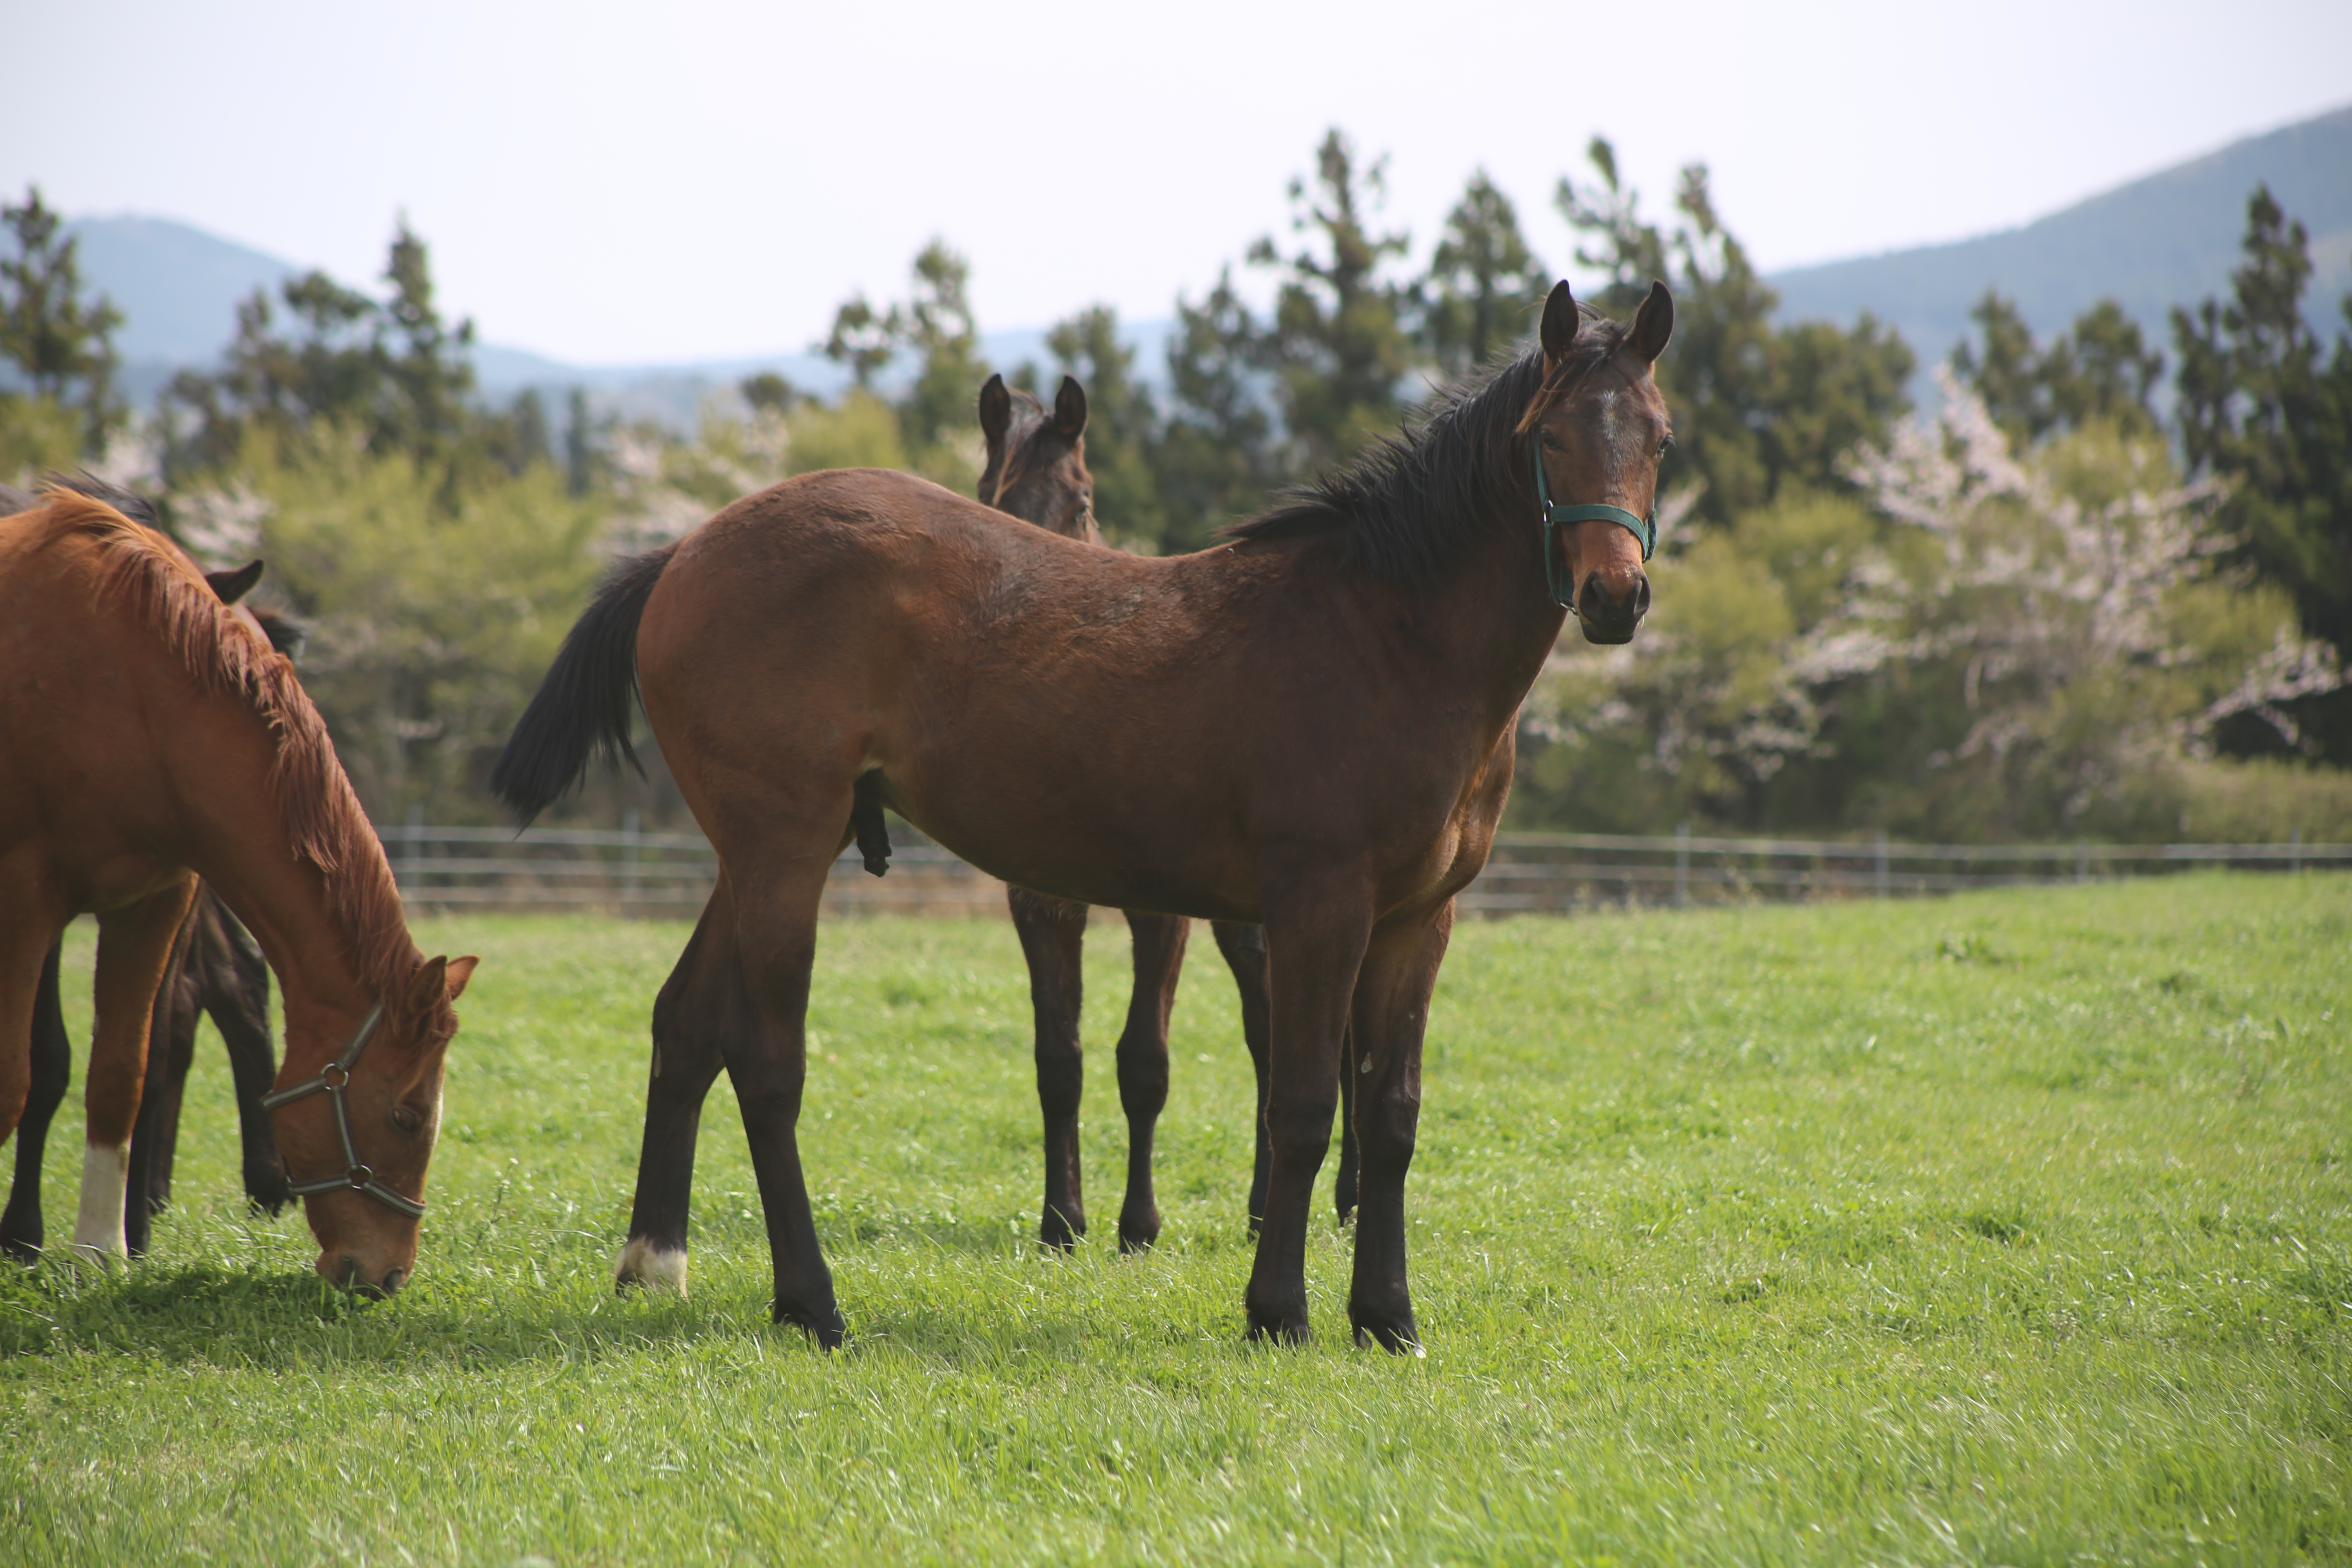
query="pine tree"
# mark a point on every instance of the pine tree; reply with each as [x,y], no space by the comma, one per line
[59,340]
[1337,344]
[1216,460]
[937,326]
[1484,286]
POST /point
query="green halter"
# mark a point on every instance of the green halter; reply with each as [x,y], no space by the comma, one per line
[1644,529]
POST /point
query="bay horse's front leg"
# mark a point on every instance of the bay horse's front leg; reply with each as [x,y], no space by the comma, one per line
[133,942]
[48,1068]
[1244,948]
[1315,945]
[1053,934]
[1390,1016]
[171,1051]
[234,987]
[701,1001]
[1143,1064]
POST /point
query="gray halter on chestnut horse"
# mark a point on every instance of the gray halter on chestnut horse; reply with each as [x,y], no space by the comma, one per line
[1309,727]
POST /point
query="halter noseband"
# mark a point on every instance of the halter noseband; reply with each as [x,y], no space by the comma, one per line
[1550,512]
[332,1080]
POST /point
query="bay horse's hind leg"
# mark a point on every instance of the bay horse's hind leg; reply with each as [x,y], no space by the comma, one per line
[171,1051]
[50,1067]
[775,943]
[1243,947]
[1143,1064]
[700,1003]
[235,991]
[1390,1015]
[133,943]
[1053,934]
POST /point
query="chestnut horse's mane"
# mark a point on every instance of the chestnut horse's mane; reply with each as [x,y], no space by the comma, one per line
[1412,504]
[323,820]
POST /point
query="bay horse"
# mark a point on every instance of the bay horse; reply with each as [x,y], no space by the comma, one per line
[1306,727]
[149,737]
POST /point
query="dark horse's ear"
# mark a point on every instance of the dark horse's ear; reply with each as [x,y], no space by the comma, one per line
[996,409]
[231,587]
[1560,324]
[1653,324]
[1070,409]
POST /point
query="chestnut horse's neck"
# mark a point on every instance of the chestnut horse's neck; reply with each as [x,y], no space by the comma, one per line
[258,804]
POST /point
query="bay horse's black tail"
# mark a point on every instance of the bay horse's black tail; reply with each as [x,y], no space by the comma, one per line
[585,705]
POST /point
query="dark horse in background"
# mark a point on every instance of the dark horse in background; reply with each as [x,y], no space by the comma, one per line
[216,970]
[1307,727]
[1036,470]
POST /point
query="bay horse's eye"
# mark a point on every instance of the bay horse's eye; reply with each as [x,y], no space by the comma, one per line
[1551,442]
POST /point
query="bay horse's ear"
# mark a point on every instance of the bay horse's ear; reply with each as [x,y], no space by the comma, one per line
[1070,409]
[231,587]
[1560,321]
[996,409]
[1653,324]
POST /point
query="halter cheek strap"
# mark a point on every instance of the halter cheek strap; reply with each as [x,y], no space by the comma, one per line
[1551,513]
[333,1080]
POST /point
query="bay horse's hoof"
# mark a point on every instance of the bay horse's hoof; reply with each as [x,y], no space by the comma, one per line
[1060,1231]
[825,1324]
[1280,1329]
[650,1266]
[1138,1234]
[1394,1333]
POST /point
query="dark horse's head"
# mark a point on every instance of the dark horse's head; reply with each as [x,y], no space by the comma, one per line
[1599,427]
[1037,461]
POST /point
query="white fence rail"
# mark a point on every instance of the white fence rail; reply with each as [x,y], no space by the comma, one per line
[671,873]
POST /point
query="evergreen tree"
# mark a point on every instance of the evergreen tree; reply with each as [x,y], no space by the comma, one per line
[2259,408]
[2006,374]
[862,339]
[1756,407]
[1216,460]
[2100,370]
[937,326]
[585,468]
[1484,285]
[1337,344]
[56,337]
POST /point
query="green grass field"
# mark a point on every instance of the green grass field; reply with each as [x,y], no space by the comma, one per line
[2013,1229]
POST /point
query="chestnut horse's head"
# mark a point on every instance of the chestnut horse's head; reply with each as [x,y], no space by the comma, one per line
[1598,426]
[358,1133]
[1037,461]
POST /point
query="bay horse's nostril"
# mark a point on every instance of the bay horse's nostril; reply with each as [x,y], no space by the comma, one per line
[1610,617]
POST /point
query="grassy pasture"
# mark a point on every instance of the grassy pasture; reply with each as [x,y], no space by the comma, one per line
[2011,1229]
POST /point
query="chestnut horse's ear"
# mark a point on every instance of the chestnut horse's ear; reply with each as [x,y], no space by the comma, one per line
[461,971]
[1653,324]
[1560,321]
[996,409]
[1070,409]
[231,587]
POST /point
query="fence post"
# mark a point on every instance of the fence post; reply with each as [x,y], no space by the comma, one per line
[1881,867]
[412,850]
[630,834]
[2082,860]
[2295,851]
[1682,864]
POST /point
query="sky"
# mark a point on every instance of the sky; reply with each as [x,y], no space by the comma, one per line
[612,184]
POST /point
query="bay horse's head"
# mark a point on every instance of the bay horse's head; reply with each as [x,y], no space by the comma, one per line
[1036,466]
[1598,426]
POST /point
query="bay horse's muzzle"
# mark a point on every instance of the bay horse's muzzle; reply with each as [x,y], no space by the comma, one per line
[1612,617]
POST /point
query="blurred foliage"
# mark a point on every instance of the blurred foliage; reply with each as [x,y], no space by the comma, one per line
[62,344]
[2029,615]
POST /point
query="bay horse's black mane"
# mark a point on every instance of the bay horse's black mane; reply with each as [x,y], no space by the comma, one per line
[1411,504]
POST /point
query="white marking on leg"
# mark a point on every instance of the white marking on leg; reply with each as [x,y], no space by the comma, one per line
[105,1180]
[655,1267]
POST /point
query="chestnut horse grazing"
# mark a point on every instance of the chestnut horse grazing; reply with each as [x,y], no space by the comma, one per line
[149,736]
[1306,728]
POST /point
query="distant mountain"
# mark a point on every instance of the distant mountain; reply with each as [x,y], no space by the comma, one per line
[2168,240]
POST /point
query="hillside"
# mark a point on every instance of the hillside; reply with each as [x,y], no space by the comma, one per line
[2168,239]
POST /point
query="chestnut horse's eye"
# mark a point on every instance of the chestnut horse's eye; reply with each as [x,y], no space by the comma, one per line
[405,1119]
[1551,442]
